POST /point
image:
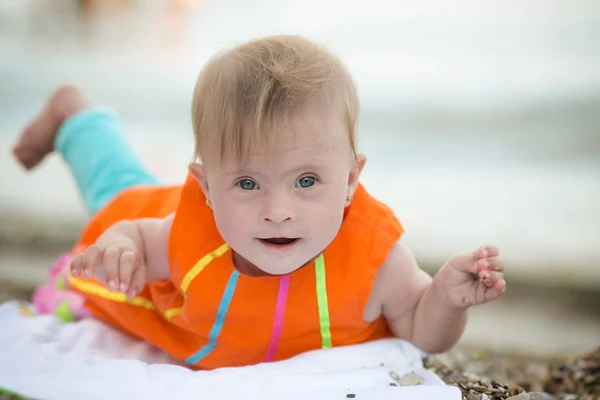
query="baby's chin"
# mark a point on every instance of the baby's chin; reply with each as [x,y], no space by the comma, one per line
[264,266]
[275,268]
[277,271]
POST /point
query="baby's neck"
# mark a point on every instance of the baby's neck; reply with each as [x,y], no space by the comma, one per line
[245,267]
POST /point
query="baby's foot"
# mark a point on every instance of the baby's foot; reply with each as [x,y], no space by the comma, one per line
[37,139]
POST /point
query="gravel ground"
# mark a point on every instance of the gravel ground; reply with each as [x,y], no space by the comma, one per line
[481,374]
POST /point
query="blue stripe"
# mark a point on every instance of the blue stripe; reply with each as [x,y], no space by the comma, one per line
[219,321]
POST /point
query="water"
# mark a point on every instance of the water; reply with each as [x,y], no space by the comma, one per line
[481,120]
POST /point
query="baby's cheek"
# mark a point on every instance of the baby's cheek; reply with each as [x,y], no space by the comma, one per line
[232,224]
[327,223]
[224,222]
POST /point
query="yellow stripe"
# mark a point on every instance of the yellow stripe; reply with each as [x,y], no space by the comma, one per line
[101,291]
[201,264]
[172,312]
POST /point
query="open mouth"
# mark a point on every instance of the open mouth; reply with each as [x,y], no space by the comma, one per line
[279,242]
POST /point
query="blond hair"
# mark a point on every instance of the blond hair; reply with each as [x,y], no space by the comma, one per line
[245,98]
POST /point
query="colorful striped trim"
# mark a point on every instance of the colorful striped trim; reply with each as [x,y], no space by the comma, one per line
[284,285]
[120,297]
[193,273]
[219,321]
[324,322]
[200,265]
[102,291]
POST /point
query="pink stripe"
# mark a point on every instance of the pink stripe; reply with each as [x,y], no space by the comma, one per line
[284,284]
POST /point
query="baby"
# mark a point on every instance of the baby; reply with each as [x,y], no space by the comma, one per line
[272,247]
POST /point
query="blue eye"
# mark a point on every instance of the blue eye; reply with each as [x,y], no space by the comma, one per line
[306,181]
[247,184]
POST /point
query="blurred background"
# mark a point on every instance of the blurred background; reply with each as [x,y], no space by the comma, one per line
[480,120]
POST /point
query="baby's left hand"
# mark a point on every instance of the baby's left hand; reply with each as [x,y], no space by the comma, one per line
[469,279]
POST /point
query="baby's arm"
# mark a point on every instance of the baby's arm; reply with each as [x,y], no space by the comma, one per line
[414,307]
[432,313]
[128,255]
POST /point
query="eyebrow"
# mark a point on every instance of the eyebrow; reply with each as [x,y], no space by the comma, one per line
[305,167]
[308,167]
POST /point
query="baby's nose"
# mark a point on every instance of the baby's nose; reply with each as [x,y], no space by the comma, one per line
[277,209]
[277,215]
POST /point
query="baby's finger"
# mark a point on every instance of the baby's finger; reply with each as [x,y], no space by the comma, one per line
[486,251]
[492,264]
[491,250]
[111,267]
[489,278]
[90,258]
[137,283]
[495,291]
[128,263]
[463,262]
[76,265]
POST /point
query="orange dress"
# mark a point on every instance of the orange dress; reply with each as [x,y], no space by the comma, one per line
[211,316]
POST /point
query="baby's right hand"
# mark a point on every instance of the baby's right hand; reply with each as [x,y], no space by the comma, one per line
[118,265]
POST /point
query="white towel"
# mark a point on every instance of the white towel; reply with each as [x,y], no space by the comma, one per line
[44,358]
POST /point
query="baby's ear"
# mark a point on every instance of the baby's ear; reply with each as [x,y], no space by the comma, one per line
[197,171]
[354,176]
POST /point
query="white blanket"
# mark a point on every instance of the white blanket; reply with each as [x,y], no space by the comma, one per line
[43,358]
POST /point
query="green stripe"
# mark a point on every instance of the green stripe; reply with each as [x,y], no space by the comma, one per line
[322,302]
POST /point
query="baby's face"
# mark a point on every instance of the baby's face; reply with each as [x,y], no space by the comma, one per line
[279,215]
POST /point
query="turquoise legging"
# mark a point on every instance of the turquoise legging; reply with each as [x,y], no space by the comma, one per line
[99,156]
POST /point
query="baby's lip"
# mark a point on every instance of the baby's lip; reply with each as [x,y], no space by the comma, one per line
[279,240]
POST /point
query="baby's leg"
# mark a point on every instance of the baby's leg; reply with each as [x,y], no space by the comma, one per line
[91,141]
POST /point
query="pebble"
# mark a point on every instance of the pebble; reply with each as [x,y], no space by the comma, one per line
[579,377]
[411,379]
[532,396]
[515,390]
[540,396]
[573,378]
[520,396]
[473,395]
